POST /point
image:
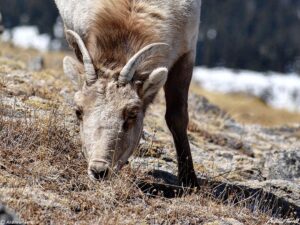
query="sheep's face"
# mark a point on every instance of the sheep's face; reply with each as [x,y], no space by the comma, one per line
[111,122]
[111,117]
[110,104]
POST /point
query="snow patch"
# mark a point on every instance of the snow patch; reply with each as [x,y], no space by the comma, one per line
[28,37]
[277,90]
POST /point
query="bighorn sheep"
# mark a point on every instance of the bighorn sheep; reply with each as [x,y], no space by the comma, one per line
[126,51]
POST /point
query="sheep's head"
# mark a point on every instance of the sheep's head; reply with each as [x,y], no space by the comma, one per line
[111,108]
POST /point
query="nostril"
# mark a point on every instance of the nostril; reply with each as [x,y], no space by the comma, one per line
[98,175]
[98,170]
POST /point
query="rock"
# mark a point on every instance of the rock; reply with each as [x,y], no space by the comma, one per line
[7,217]
[287,190]
[36,64]
[284,165]
[203,106]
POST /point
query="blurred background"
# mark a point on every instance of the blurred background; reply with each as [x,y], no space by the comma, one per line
[248,54]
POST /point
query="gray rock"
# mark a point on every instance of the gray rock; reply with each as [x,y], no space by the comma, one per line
[7,217]
[290,191]
[284,165]
[36,63]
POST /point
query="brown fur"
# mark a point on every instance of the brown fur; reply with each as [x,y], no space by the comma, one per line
[122,27]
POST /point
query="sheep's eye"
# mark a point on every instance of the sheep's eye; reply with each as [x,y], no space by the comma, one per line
[130,119]
[131,112]
[79,114]
[132,116]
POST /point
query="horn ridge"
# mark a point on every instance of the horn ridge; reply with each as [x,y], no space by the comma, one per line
[91,75]
[129,69]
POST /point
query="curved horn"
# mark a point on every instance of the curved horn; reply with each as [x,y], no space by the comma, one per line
[129,69]
[89,68]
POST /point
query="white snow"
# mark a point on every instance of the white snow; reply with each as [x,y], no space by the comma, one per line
[5,36]
[28,37]
[278,90]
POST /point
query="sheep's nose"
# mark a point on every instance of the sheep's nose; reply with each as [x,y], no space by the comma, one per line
[98,170]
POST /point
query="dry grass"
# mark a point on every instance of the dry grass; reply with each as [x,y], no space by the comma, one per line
[249,110]
[22,56]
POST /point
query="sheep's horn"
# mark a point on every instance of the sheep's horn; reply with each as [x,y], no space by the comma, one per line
[129,69]
[89,68]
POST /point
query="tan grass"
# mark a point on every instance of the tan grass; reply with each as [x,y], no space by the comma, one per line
[249,110]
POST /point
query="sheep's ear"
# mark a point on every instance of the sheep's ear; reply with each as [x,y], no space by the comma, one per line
[155,82]
[72,70]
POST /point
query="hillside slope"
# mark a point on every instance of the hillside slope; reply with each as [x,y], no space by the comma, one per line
[249,174]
